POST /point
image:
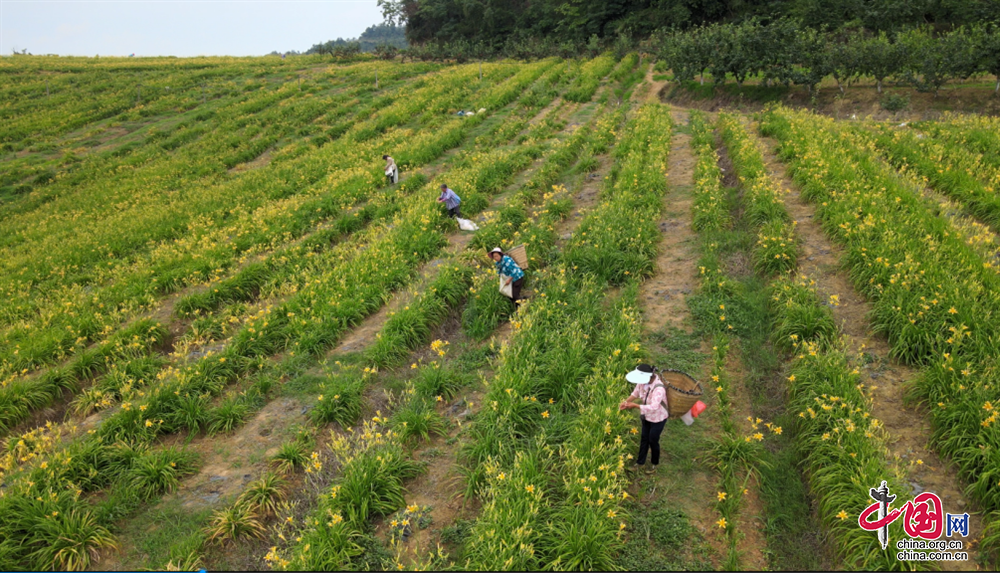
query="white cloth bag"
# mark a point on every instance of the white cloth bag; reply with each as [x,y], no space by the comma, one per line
[506,289]
[466,225]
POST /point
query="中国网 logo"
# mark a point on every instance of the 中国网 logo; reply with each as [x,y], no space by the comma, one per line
[924,521]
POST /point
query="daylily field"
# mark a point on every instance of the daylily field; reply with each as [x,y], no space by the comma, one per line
[227,342]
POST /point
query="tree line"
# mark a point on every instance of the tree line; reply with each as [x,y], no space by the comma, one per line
[786,52]
[384,40]
[494,23]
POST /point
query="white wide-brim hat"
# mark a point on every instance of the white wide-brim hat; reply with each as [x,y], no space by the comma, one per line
[496,250]
[641,374]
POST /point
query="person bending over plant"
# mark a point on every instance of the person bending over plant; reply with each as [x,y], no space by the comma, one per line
[511,275]
[391,171]
[451,201]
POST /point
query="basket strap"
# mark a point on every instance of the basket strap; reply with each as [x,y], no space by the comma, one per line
[664,403]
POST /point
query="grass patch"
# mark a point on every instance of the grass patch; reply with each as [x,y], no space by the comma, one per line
[164,532]
[663,539]
[677,349]
[793,534]
[749,92]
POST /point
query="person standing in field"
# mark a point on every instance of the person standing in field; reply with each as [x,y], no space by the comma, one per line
[451,201]
[510,274]
[650,398]
[391,171]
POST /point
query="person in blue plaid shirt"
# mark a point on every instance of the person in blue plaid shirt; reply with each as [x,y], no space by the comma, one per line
[508,268]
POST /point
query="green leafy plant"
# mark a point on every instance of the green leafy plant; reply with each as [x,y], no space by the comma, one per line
[159,471]
[227,416]
[73,541]
[192,414]
[435,380]
[263,494]
[340,400]
[235,522]
[293,453]
[418,419]
[894,102]
[801,318]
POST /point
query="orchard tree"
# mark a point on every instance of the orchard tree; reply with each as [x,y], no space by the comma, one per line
[881,58]
[688,54]
[844,59]
[986,49]
[776,50]
[812,53]
[730,42]
[933,61]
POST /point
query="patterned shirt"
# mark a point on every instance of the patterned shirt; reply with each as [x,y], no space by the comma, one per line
[508,267]
[450,199]
[652,400]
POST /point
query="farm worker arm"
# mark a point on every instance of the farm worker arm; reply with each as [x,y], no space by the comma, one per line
[632,400]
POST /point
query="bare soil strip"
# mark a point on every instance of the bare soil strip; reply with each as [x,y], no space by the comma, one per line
[663,297]
[907,425]
[584,199]
[649,91]
[664,294]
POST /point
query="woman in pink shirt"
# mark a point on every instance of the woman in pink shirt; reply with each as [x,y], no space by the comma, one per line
[650,398]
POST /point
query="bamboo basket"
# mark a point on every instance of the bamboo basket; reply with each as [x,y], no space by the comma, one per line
[682,391]
[520,256]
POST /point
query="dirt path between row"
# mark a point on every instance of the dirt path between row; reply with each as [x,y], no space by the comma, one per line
[663,297]
[751,517]
[650,89]
[907,425]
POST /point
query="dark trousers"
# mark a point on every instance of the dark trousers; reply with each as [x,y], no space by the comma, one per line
[650,440]
[515,290]
[454,212]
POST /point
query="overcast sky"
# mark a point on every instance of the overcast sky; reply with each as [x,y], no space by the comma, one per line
[178,27]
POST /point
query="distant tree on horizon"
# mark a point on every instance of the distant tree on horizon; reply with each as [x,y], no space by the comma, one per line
[383,34]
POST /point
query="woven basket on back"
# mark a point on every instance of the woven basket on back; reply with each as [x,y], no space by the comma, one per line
[682,391]
[520,256]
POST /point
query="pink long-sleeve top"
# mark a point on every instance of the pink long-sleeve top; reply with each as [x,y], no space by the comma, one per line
[652,400]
